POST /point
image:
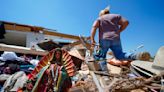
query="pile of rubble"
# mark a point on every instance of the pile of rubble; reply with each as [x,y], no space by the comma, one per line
[136,76]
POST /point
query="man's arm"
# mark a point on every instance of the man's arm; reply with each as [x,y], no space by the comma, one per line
[123,24]
[93,32]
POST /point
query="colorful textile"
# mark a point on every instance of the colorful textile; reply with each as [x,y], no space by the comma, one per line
[50,79]
[66,59]
[52,74]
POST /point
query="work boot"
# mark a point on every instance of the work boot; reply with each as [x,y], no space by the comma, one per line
[145,56]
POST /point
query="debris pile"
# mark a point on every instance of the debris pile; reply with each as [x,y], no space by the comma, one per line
[73,69]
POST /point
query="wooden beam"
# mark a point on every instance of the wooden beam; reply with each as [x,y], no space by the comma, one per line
[73,37]
[17,28]
[23,50]
[74,43]
[23,28]
[96,80]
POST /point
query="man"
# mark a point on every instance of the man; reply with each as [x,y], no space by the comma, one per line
[110,26]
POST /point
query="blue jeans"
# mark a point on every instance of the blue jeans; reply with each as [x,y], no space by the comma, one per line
[115,46]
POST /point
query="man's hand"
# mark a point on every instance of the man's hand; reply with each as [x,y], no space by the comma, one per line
[93,32]
[93,43]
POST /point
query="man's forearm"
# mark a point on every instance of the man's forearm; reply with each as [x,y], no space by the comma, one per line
[93,32]
[123,26]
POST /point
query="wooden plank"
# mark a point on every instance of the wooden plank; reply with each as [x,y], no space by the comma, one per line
[21,28]
[96,80]
[113,69]
[46,32]
[76,89]
[60,35]
[17,28]
[74,43]
[23,50]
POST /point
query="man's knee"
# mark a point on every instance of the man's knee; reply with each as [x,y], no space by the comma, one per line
[120,57]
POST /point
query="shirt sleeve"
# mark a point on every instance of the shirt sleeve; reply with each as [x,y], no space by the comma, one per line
[118,17]
[96,23]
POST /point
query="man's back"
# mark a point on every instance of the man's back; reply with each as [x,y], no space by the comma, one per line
[108,25]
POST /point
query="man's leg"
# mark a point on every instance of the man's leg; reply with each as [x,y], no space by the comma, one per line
[101,53]
[118,53]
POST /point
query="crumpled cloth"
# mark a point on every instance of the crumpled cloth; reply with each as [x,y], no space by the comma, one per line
[10,56]
[14,82]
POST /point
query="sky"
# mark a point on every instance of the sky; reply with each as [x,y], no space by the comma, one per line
[75,17]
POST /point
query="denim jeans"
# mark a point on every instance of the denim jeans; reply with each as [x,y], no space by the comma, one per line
[115,46]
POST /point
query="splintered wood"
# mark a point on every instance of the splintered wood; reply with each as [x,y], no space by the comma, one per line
[125,85]
[120,81]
